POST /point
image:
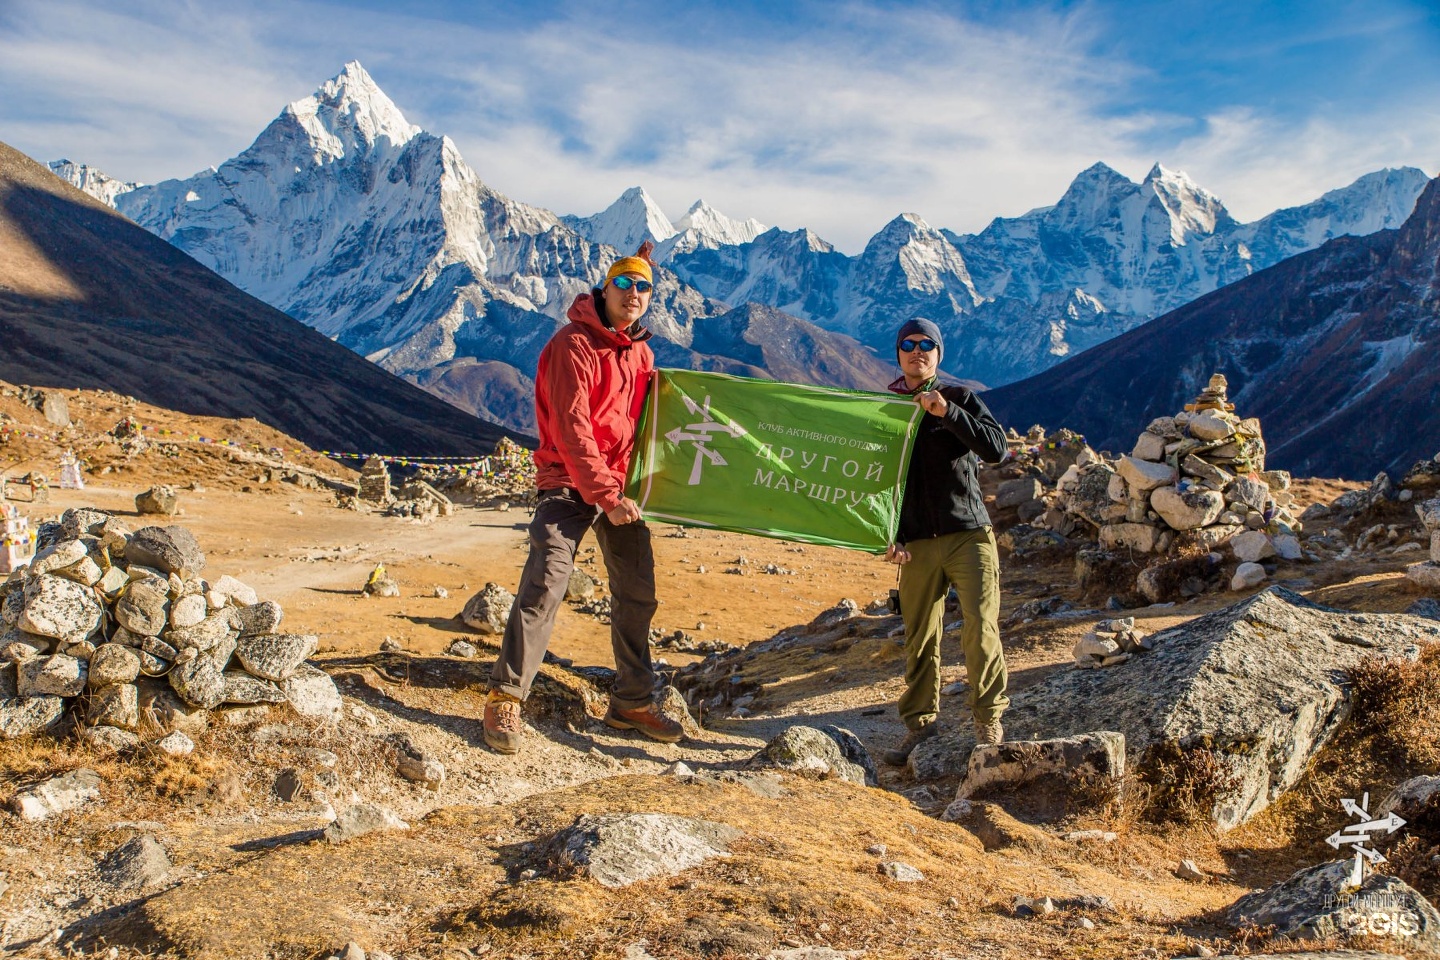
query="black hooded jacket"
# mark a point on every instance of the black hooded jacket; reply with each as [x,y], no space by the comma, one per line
[942,488]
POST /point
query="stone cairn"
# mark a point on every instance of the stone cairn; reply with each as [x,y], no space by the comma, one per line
[375,482]
[17,540]
[1426,575]
[1110,642]
[506,476]
[121,625]
[1193,482]
[421,501]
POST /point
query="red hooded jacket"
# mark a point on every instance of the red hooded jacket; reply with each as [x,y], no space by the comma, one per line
[589,390]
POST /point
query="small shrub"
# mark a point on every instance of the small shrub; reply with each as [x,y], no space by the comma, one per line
[1398,701]
[1416,860]
[1186,782]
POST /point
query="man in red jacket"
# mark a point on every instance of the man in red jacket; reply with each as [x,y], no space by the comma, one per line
[589,389]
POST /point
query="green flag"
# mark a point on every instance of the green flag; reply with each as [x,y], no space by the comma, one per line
[782,460]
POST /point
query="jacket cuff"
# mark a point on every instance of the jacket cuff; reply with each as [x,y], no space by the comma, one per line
[610,500]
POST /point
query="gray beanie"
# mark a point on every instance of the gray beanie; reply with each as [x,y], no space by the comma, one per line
[924,327]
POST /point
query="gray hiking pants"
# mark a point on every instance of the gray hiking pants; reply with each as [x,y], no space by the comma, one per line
[561,519]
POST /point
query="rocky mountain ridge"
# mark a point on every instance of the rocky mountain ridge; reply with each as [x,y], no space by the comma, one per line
[90,300]
[1027,292]
[1332,349]
[379,235]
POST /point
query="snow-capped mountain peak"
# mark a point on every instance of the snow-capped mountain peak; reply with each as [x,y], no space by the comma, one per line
[705,228]
[715,226]
[1194,211]
[101,186]
[350,113]
[928,263]
[626,223]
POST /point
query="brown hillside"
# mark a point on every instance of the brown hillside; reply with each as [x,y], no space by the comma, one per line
[89,300]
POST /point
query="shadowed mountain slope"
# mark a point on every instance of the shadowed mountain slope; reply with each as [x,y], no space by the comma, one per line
[1334,351]
[90,300]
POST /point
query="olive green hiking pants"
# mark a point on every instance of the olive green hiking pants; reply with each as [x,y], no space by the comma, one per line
[969,560]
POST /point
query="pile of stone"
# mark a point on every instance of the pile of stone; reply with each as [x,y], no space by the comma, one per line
[17,540]
[375,482]
[1026,480]
[1109,643]
[1195,481]
[421,501]
[1426,575]
[1367,521]
[507,475]
[121,626]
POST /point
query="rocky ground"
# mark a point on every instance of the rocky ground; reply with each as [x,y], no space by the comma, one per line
[254,844]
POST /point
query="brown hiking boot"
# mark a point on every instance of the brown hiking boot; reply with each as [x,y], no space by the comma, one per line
[648,720]
[989,733]
[502,724]
[901,754]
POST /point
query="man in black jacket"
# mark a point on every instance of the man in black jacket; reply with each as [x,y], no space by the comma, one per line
[945,537]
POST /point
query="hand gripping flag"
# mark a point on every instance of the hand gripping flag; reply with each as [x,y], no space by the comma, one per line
[805,463]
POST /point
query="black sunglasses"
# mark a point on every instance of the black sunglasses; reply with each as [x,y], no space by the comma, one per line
[623,282]
[926,345]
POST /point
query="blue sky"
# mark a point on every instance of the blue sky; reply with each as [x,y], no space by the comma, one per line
[835,116]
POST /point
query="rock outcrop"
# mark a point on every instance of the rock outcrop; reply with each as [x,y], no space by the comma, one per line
[1259,682]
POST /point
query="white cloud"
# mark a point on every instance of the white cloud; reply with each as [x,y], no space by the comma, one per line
[838,127]
[1258,164]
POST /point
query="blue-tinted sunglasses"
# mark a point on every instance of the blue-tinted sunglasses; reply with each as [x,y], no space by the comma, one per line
[926,345]
[623,282]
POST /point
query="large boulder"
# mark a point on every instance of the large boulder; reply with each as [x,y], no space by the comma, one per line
[1089,497]
[22,716]
[167,549]
[1140,537]
[1063,762]
[80,522]
[1411,798]
[162,710]
[1142,475]
[312,693]
[261,617]
[161,499]
[1188,509]
[57,795]
[1252,546]
[54,676]
[57,556]
[1012,493]
[113,663]
[199,682]
[1322,902]
[1261,682]
[489,610]
[137,864]
[241,687]
[275,656]
[144,607]
[208,634]
[360,819]
[59,608]
[808,750]
[115,705]
[618,850]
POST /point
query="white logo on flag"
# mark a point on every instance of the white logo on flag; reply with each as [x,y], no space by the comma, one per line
[701,434]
